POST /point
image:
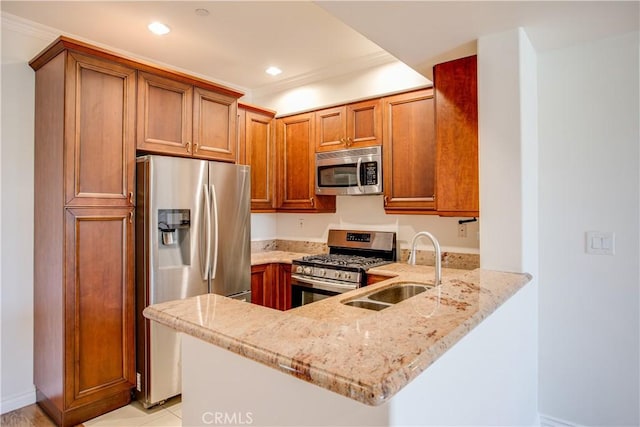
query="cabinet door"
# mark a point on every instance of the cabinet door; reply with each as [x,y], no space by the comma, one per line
[331,129]
[99,310]
[283,300]
[262,278]
[456,100]
[164,115]
[99,132]
[259,142]
[214,126]
[409,152]
[296,166]
[364,123]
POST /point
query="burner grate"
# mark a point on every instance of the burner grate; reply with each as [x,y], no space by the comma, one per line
[345,260]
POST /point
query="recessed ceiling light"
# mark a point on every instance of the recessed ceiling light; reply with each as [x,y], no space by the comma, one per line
[158,28]
[274,71]
[202,12]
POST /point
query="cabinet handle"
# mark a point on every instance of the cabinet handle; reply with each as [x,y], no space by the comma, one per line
[131,217]
[343,140]
[195,148]
[313,202]
[188,146]
[386,200]
[349,141]
[131,197]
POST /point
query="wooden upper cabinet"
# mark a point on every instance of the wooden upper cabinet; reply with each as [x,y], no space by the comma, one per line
[181,119]
[349,126]
[164,115]
[331,129]
[214,126]
[99,132]
[295,142]
[409,152]
[364,123]
[258,150]
[456,98]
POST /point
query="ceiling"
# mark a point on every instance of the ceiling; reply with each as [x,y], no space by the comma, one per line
[238,40]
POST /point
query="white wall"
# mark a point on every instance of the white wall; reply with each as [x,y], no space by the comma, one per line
[17,217]
[507,151]
[589,162]
[367,213]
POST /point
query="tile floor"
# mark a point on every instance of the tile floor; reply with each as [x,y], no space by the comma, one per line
[132,415]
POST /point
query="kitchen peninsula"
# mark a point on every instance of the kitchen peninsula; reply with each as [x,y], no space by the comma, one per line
[450,355]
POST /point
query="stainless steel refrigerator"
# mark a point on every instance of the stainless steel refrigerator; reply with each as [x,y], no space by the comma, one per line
[192,237]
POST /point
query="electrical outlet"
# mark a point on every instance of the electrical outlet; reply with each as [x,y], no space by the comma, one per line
[462,230]
[300,222]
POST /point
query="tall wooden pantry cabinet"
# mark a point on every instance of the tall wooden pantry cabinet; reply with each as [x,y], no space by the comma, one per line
[83,280]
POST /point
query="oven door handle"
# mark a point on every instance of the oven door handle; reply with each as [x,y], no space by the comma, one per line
[308,282]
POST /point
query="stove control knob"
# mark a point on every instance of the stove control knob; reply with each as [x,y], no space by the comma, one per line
[336,275]
[321,272]
[308,270]
[299,269]
[347,276]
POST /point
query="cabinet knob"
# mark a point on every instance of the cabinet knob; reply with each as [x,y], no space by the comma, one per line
[349,141]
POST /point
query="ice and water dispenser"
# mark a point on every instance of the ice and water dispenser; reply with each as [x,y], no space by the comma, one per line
[174,236]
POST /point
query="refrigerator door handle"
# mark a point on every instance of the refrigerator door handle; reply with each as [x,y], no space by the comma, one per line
[214,203]
[205,258]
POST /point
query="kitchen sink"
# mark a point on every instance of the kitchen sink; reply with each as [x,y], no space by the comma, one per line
[398,292]
[383,298]
[370,305]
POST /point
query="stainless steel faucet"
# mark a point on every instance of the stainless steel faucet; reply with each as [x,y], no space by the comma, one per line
[436,247]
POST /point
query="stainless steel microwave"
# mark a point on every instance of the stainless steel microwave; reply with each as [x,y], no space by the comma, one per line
[355,171]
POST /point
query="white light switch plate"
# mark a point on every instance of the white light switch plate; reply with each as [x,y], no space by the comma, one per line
[600,242]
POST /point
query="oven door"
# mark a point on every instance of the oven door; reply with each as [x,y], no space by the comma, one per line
[351,172]
[305,290]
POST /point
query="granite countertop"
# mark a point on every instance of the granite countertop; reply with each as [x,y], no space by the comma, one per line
[365,355]
[271,257]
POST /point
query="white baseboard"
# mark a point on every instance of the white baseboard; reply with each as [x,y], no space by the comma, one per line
[549,421]
[17,401]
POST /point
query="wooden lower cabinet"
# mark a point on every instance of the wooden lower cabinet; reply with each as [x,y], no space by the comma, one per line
[84,362]
[271,285]
[375,278]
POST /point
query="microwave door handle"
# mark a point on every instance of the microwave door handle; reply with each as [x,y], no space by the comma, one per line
[358,166]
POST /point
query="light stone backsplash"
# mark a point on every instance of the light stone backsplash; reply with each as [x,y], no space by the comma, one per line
[449,259]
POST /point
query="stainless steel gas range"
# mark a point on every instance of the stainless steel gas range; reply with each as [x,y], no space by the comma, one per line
[344,268]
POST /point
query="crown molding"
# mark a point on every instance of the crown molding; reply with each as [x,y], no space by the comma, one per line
[361,63]
[29,28]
